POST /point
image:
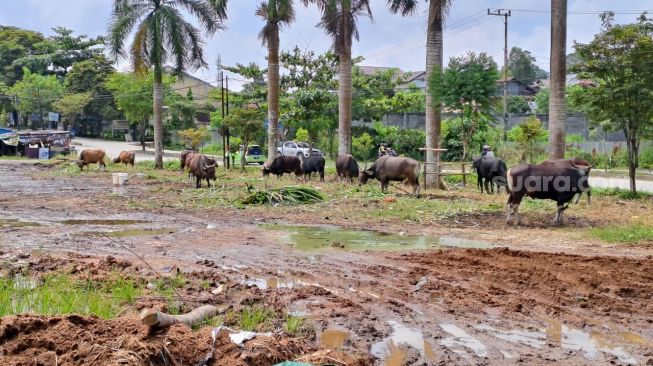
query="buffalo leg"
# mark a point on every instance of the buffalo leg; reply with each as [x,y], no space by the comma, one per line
[208,184]
[479,183]
[322,176]
[198,182]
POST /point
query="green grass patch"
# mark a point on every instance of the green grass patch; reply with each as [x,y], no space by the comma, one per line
[293,324]
[252,318]
[61,294]
[624,234]
[622,194]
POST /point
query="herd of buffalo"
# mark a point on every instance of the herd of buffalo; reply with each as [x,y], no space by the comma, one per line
[559,180]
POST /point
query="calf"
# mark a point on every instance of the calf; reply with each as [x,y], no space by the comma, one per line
[347,167]
[490,171]
[313,164]
[554,181]
[203,167]
[393,168]
[283,164]
[125,157]
[91,156]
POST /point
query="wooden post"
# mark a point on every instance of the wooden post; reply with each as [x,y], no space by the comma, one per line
[437,170]
[425,173]
[464,176]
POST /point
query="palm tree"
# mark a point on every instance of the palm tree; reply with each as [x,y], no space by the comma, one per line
[163,34]
[276,13]
[438,10]
[339,19]
[557,106]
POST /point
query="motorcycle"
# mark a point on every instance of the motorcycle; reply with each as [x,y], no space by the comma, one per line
[388,152]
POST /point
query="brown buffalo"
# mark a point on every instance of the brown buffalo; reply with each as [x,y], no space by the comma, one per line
[392,168]
[125,157]
[91,156]
[202,167]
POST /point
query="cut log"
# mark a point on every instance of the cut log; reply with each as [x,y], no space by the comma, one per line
[155,318]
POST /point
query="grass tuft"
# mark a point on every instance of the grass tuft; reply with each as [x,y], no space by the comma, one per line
[251,318]
[630,234]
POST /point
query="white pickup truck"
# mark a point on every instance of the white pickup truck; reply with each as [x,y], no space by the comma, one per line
[298,149]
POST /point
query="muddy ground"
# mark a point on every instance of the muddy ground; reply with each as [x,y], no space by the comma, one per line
[539,295]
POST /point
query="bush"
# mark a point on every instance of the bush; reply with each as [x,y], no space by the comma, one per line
[363,147]
[451,138]
[646,158]
[301,135]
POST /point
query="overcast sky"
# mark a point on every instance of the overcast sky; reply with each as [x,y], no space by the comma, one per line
[388,40]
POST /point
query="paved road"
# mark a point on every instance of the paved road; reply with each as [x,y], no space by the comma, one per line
[621,183]
[113,148]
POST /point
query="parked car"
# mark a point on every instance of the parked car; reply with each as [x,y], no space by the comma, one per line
[298,149]
[254,154]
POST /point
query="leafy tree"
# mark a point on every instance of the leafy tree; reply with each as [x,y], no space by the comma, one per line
[614,60]
[305,69]
[36,92]
[339,20]
[468,86]
[56,54]
[16,43]
[163,34]
[70,105]
[247,124]
[254,92]
[521,65]
[528,135]
[409,100]
[90,76]
[372,99]
[182,111]
[301,134]
[133,96]
[363,147]
[518,104]
[276,14]
[195,137]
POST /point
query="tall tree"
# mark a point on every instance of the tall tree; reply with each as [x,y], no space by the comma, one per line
[339,21]
[163,34]
[621,99]
[16,43]
[276,14]
[35,94]
[438,9]
[522,66]
[557,105]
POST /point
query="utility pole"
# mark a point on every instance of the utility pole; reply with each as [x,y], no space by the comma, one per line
[226,83]
[504,13]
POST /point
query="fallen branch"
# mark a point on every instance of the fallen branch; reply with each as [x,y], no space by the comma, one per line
[155,318]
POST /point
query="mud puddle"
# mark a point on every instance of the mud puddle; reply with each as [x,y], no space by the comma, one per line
[334,338]
[312,238]
[127,233]
[103,222]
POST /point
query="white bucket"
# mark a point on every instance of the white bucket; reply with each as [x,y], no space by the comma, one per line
[119,179]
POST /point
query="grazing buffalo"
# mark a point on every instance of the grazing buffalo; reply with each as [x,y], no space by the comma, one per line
[313,164]
[347,167]
[91,156]
[202,167]
[555,181]
[490,171]
[185,159]
[392,168]
[579,163]
[283,164]
[125,157]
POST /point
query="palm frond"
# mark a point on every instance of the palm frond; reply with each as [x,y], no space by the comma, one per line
[140,47]
[124,16]
[403,7]
[438,11]
[210,14]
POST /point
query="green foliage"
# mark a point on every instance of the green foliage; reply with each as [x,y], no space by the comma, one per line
[521,65]
[528,134]
[72,104]
[451,133]
[518,104]
[573,105]
[363,147]
[613,59]
[246,123]
[251,318]
[15,44]
[301,134]
[467,85]
[285,195]
[629,234]
[293,324]
[36,92]
[61,294]
[373,93]
[405,141]
[195,137]
[646,158]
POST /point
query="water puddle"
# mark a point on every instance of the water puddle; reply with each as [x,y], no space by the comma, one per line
[311,238]
[128,232]
[460,338]
[15,223]
[390,349]
[589,344]
[103,222]
[334,338]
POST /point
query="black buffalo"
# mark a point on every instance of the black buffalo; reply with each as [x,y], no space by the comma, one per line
[347,167]
[202,167]
[392,168]
[313,164]
[554,181]
[579,163]
[490,171]
[283,164]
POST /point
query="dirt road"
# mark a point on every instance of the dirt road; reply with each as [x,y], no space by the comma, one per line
[444,305]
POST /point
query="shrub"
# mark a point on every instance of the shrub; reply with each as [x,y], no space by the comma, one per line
[363,147]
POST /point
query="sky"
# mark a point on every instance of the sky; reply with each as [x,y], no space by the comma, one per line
[386,40]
